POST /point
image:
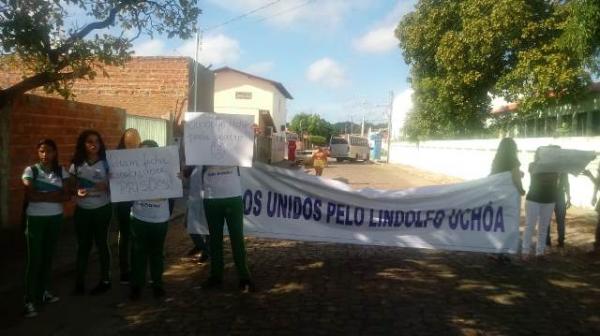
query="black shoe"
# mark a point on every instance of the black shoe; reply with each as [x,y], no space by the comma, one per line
[247,286]
[193,252]
[135,293]
[102,288]
[125,279]
[203,258]
[79,289]
[159,292]
[212,283]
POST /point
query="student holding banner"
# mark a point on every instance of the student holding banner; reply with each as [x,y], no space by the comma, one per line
[506,160]
[89,175]
[195,216]
[223,202]
[44,192]
[149,224]
[129,140]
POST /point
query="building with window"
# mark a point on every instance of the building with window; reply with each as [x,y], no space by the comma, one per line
[239,92]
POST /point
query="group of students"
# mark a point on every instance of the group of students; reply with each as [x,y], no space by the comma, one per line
[548,192]
[142,228]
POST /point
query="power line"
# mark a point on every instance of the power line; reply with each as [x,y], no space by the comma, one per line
[241,16]
[285,11]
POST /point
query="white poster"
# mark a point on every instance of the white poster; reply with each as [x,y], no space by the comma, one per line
[218,139]
[144,174]
[480,216]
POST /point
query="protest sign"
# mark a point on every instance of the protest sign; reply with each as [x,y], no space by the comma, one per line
[480,215]
[218,139]
[144,174]
[553,159]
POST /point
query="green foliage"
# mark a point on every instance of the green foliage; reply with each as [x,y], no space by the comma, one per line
[311,124]
[318,140]
[536,52]
[53,51]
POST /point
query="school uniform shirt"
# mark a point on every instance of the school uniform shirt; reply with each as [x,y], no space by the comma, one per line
[151,211]
[221,182]
[45,182]
[87,177]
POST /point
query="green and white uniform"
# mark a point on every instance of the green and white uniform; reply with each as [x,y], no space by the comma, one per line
[43,226]
[223,202]
[92,218]
[149,223]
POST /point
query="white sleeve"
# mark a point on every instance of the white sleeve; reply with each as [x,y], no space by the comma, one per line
[65,173]
[27,173]
[72,170]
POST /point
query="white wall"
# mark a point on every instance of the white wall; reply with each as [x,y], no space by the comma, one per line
[472,159]
[265,96]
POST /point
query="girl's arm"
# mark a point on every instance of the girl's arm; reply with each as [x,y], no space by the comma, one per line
[516,178]
[36,196]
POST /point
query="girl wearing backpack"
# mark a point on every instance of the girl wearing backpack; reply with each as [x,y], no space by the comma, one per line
[45,193]
[89,175]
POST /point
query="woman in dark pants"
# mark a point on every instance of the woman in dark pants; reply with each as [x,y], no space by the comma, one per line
[129,140]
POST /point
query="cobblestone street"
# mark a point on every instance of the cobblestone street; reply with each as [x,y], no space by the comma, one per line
[334,289]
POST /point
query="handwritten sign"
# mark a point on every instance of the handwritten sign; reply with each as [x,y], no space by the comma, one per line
[144,174]
[218,139]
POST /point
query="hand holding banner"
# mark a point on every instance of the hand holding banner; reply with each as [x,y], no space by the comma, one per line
[218,139]
[143,174]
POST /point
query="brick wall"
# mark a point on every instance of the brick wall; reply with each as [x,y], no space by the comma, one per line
[33,118]
[148,86]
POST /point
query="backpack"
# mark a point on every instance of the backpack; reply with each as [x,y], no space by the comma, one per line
[36,173]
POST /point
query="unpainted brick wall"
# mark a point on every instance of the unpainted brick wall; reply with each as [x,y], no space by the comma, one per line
[33,118]
[155,87]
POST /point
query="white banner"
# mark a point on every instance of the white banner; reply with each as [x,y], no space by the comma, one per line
[557,160]
[144,173]
[480,215]
[218,139]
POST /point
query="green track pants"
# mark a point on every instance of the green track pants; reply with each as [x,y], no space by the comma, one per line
[217,212]
[41,234]
[91,226]
[148,249]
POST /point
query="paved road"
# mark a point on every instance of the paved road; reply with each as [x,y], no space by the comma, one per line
[334,289]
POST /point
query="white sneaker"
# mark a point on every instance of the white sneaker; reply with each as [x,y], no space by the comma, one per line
[29,310]
[49,298]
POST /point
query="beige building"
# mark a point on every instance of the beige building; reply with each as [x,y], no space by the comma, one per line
[238,92]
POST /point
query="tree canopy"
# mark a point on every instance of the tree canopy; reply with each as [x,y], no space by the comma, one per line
[536,52]
[52,46]
[312,124]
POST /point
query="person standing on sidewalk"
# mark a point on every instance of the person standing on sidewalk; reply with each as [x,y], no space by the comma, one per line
[506,160]
[541,198]
[129,140]
[223,202]
[195,215]
[563,202]
[596,204]
[149,224]
[89,174]
[44,193]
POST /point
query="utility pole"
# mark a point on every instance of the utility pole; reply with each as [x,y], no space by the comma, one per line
[389,137]
[198,46]
[362,127]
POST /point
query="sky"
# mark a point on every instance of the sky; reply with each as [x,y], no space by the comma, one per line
[338,58]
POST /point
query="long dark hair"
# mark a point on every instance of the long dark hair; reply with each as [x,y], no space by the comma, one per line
[80,153]
[50,143]
[121,144]
[506,156]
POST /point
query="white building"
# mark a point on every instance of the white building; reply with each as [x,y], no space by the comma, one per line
[238,92]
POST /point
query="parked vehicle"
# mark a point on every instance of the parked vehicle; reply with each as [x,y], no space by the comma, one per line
[349,147]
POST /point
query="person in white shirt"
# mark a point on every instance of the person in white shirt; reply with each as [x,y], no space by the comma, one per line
[223,202]
[89,176]
[44,194]
[149,224]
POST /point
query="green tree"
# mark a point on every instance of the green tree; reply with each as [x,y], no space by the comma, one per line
[53,49]
[536,52]
[312,124]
